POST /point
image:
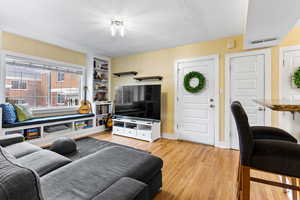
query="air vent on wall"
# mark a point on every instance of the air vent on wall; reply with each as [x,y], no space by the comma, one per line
[263,40]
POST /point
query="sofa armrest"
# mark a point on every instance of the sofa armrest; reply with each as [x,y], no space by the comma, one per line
[11,139]
[125,189]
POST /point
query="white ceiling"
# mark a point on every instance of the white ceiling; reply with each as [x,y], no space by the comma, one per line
[150,24]
[270,19]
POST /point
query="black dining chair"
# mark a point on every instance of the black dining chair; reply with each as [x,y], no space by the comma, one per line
[259,151]
[265,132]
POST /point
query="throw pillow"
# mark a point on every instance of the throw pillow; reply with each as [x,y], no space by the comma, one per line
[23,113]
[8,113]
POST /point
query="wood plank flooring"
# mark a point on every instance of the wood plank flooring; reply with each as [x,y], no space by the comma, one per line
[198,172]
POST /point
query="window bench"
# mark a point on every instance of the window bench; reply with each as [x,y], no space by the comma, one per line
[79,125]
[44,120]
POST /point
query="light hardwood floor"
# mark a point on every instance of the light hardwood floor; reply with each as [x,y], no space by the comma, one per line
[198,172]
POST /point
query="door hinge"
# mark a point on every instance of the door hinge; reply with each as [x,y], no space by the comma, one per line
[177,126]
[283,62]
[177,99]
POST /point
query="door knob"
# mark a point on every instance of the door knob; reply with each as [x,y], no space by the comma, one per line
[211,100]
[211,105]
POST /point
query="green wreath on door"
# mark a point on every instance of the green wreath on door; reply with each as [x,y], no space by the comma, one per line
[187,80]
[296,78]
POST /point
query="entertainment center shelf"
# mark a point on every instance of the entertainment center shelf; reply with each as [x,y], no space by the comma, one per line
[140,129]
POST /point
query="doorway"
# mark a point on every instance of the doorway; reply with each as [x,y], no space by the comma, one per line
[197,114]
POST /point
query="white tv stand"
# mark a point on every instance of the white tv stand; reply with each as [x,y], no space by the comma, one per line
[147,130]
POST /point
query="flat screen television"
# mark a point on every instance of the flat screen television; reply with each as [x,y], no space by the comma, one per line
[138,101]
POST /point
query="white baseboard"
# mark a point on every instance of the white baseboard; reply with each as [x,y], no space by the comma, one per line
[170,136]
[219,144]
[222,144]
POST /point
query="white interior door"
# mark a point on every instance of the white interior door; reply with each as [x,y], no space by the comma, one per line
[196,111]
[289,91]
[247,82]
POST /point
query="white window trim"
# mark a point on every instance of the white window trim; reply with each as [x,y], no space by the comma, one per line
[48,110]
[5,53]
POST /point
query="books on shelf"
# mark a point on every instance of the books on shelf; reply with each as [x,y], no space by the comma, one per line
[32,133]
[83,124]
[100,79]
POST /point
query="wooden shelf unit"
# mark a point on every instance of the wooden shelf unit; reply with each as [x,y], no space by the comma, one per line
[148,78]
[100,79]
[119,74]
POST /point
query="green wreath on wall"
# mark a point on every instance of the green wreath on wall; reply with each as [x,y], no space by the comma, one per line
[187,82]
[296,77]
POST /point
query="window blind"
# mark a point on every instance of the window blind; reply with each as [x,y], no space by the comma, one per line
[42,65]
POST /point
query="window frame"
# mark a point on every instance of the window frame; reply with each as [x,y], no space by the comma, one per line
[42,110]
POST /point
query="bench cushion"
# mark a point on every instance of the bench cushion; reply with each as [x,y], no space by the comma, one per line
[43,161]
[43,120]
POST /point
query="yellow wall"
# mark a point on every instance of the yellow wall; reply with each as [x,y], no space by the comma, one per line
[0,40]
[162,63]
[33,47]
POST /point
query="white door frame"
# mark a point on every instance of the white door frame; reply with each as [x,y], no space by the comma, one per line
[282,59]
[268,79]
[214,57]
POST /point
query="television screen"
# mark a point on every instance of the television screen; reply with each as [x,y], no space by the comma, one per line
[141,101]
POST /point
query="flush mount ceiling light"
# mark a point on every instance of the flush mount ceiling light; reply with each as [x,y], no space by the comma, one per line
[117,27]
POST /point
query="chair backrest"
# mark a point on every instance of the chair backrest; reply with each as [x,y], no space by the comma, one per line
[244,132]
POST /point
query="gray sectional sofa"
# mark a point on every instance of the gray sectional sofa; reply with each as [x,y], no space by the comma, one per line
[113,173]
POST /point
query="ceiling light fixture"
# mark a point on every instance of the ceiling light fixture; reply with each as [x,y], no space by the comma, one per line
[117,27]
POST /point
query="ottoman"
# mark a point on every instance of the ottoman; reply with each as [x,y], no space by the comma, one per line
[64,146]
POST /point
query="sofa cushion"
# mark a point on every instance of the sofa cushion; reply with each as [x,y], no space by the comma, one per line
[43,120]
[21,149]
[8,113]
[17,182]
[125,189]
[91,175]
[43,161]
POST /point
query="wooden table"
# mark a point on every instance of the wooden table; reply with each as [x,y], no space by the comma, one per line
[284,105]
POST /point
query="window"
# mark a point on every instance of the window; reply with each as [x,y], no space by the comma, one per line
[16,101]
[18,85]
[60,99]
[60,76]
[41,85]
